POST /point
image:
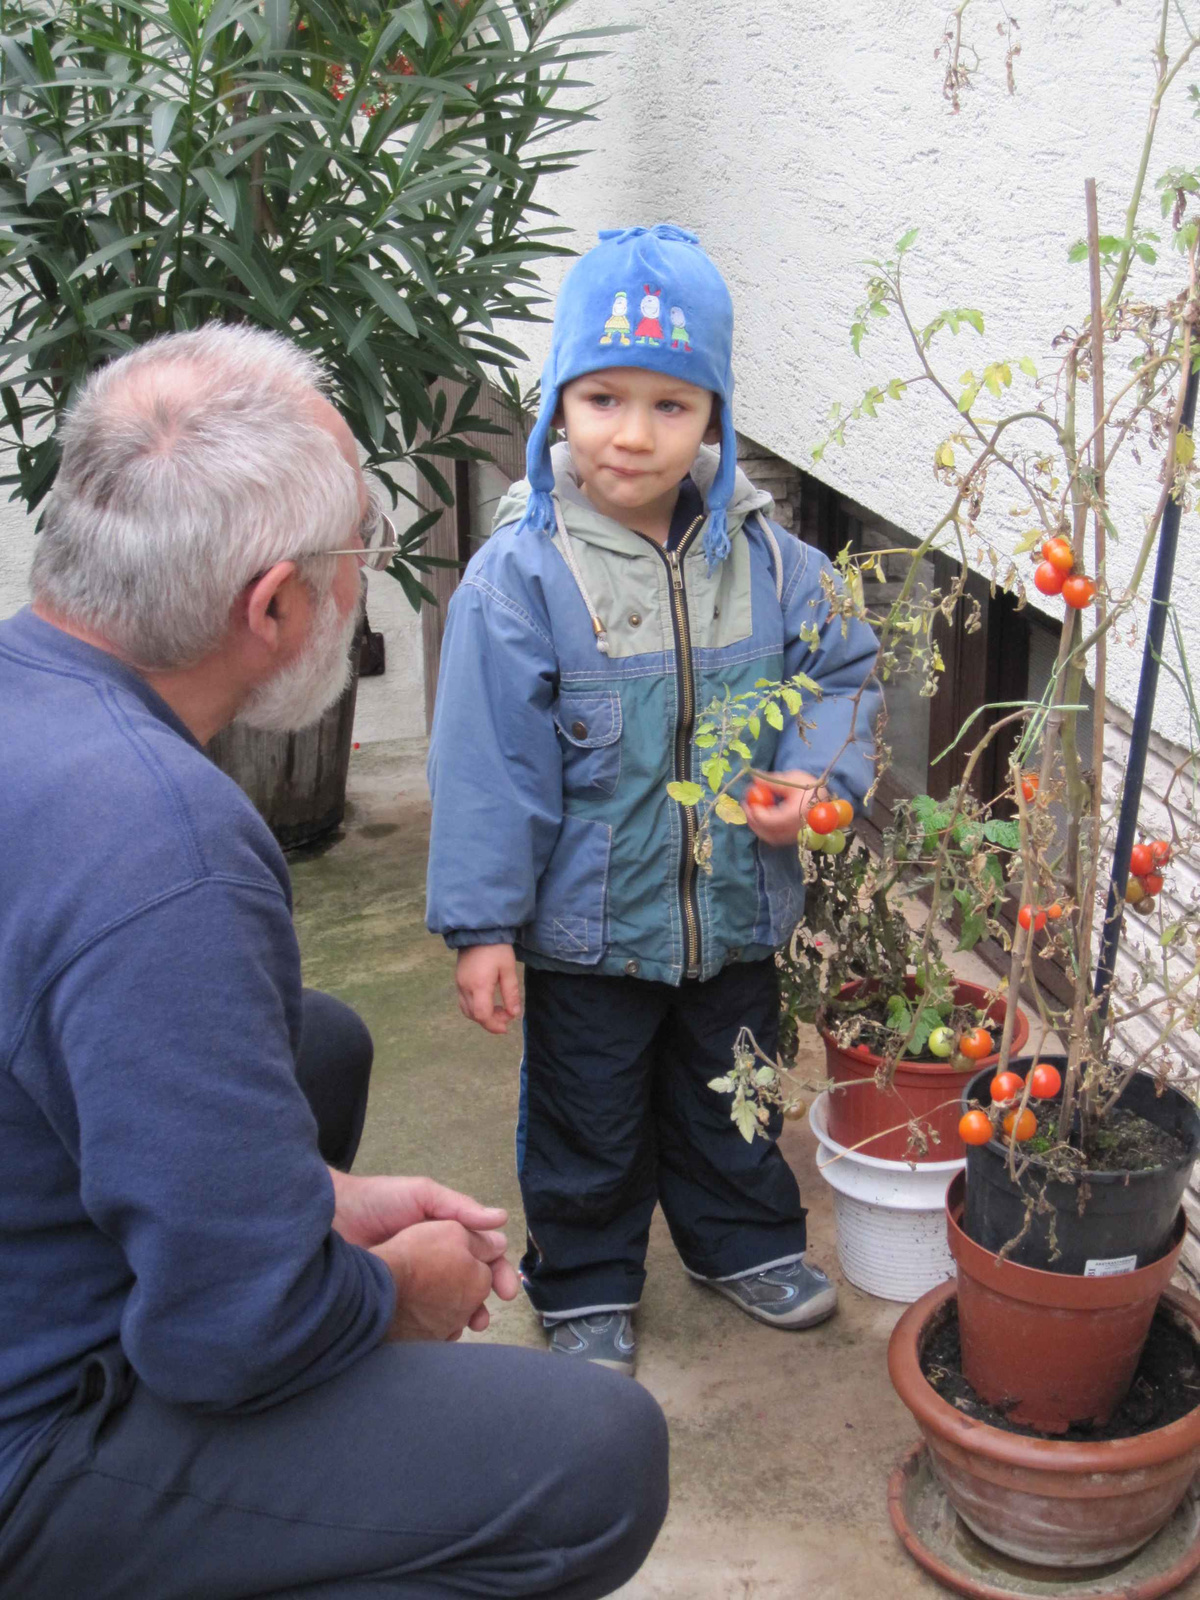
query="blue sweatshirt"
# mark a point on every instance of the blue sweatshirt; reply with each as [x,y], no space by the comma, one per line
[160,1181]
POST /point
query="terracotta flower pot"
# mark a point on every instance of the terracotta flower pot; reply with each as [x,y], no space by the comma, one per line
[926,1089]
[1051,1348]
[1049,1501]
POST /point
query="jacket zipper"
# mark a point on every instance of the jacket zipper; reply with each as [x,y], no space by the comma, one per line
[689,900]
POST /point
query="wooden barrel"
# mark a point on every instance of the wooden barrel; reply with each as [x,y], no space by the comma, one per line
[297,781]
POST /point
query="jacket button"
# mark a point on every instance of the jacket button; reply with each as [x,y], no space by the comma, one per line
[632,968]
[634,620]
[579,729]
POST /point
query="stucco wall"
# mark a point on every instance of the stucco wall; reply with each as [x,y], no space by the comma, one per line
[797,140]
[388,707]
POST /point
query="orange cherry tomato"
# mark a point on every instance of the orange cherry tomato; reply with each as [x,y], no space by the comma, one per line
[1153,883]
[1141,860]
[1054,912]
[1032,917]
[975,1127]
[1160,849]
[845,812]
[1059,554]
[1048,579]
[1078,590]
[975,1044]
[1025,1124]
[760,794]
[1029,786]
[823,817]
[1044,1081]
[1006,1086]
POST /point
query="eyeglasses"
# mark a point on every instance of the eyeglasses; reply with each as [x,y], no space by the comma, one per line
[379,544]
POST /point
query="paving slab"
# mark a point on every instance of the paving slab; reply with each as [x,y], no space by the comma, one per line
[782,1443]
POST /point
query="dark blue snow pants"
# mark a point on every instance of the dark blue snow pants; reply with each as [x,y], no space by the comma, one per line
[616,1114]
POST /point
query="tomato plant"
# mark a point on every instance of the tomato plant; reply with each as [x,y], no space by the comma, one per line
[1059,554]
[1078,590]
[975,1127]
[1044,1081]
[1032,917]
[823,817]
[1020,1126]
[1141,860]
[1048,579]
[975,1044]
[1160,849]
[1029,786]
[1006,1086]
[1153,883]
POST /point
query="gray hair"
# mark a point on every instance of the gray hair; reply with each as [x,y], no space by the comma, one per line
[189,466]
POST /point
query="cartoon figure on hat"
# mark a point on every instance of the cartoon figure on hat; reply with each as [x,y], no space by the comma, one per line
[679,333]
[649,329]
[618,322]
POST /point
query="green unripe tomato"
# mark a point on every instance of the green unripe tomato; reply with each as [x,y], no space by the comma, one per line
[941,1043]
[813,841]
[835,842]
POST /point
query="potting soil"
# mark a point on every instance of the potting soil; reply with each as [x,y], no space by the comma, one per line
[874,1033]
[1124,1142]
[1166,1385]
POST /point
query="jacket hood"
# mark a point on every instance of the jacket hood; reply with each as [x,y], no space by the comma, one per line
[585,522]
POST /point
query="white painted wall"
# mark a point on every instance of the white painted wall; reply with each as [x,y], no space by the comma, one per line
[388,707]
[797,140]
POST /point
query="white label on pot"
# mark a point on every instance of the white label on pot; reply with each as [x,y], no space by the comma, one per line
[1110,1267]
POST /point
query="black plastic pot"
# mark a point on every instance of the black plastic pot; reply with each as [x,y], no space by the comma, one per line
[1106,1222]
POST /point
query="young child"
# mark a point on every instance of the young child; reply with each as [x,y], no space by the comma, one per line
[633,577]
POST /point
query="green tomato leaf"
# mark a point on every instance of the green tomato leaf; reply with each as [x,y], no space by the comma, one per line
[687,794]
[773,715]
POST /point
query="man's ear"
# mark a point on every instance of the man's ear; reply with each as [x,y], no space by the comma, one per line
[712,434]
[270,601]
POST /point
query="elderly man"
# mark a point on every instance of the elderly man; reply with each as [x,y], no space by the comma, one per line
[227,1370]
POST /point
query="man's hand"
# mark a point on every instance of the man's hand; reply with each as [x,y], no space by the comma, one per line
[443,1273]
[781,824]
[482,969]
[381,1213]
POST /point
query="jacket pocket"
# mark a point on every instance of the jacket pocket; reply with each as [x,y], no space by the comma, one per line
[572,900]
[589,733]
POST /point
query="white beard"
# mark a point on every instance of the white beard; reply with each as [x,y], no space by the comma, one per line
[298,694]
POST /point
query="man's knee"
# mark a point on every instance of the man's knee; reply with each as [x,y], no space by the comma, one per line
[619,1463]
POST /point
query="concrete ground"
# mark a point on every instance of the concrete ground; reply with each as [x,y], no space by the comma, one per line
[781,1443]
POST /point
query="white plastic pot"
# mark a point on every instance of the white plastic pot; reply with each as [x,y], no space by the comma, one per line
[891,1216]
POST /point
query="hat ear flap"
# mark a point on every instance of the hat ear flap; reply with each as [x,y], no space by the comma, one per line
[539,509]
[716,534]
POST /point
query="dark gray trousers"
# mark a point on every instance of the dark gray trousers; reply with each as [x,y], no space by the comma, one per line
[425,1471]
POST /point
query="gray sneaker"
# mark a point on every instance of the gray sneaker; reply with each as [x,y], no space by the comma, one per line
[605,1337]
[792,1296]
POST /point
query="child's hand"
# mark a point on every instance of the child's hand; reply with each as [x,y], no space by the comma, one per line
[482,968]
[781,823]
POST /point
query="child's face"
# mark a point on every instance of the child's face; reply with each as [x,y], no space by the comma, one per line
[634,435]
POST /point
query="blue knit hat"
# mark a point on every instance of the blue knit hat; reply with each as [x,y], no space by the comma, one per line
[642,297]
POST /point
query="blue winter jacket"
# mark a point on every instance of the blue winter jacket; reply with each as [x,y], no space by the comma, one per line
[549,763]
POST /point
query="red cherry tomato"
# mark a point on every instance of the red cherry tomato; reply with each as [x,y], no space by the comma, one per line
[1141,860]
[823,817]
[975,1127]
[1160,849]
[1048,579]
[1044,1081]
[1006,1086]
[975,1044]
[845,812]
[1054,912]
[1029,786]
[1078,590]
[1059,554]
[1025,1124]
[1153,882]
[760,794]
[1032,917]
